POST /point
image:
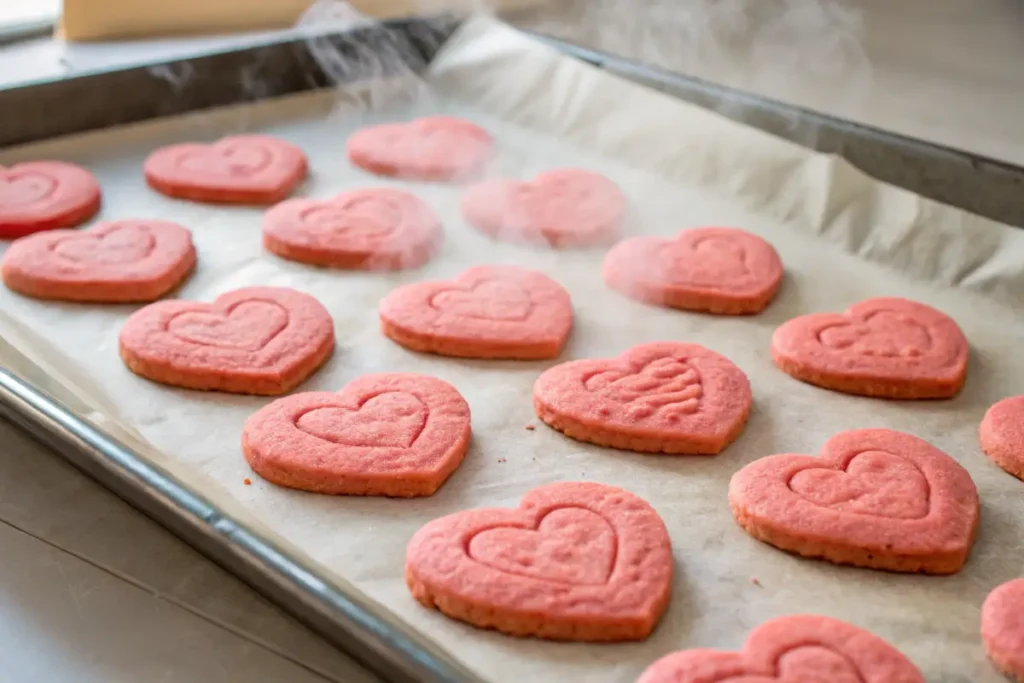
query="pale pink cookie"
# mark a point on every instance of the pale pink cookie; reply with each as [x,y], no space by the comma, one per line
[497,312]
[121,261]
[889,348]
[716,270]
[44,195]
[875,498]
[256,340]
[562,208]
[241,169]
[1002,628]
[432,148]
[796,649]
[664,397]
[396,434]
[575,561]
[1002,435]
[373,229]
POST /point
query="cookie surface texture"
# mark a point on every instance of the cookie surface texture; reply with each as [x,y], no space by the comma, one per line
[874,498]
[121,261]
[575,561]
[256,340]
[714,270]
[241,169]
[1002,435]
[793,649]
[889,348]
[561,208]
[433,148]
[1002,628]
[45,195]
[496,312]
[664,397]
[372,229]
[396,434]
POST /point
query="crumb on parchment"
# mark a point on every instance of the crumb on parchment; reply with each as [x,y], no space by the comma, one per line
[247,481]
[529,428]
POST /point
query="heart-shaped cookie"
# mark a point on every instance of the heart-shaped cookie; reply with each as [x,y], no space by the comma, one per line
[796,649]
[875,498]
[242,169]
[717,270]
[393,434]
[889,348]
[1002,628]
[256,340]
[562,208]
[121,261]
[1002,435]
[373,229]
[486,312]
[433,148]
[664,397]
[44,195]
[575,561]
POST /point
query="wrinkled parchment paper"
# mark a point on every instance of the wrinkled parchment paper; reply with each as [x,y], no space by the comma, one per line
[842,236]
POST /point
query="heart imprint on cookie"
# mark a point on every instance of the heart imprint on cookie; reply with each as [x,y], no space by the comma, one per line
[433,148]
[875,498]
[562,208]
[486,312]
[576,561]
[717,270]
[890,348]
[257,340]
[45,195]
[794,649]
[372,229]
[242,169]
[664,397]
[395,434]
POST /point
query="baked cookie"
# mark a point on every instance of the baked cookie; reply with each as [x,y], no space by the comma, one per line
[1002,435]
[888,348]
[664,397]
[875,498]
[395,434]
[575,561]
[433,148]
[1002,628]
[714,270]
[801,648]
[117,262]
[562,208]
[241,169]
[496,312]
[256,340]
[44,195]
[373,229]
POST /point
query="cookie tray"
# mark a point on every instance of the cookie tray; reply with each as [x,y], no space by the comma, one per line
[963,262]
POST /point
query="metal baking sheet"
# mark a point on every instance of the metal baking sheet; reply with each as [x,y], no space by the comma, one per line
[680,166]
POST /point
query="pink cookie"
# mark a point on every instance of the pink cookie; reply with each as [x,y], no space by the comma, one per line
[242,169]
[563,208]
[122,261]
[1002,628]
[660,398]
[433,148]
[795,649]
[890,348]
[44,195]
[875,498]
[377,229]
[487,312]
[717,270]
[1002,435]
[257,340]
[576,561]
[394,434]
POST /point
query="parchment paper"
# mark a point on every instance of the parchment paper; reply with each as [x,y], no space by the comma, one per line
[842,236]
